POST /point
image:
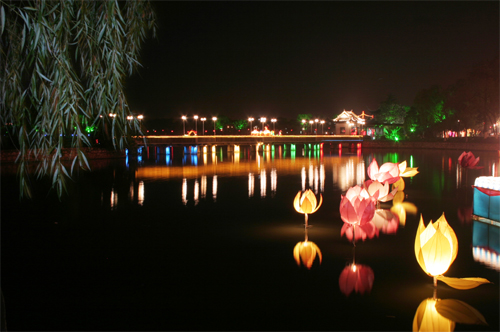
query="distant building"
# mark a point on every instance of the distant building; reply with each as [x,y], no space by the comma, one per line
[348,123]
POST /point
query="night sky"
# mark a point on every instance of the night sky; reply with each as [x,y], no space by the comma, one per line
[274,59]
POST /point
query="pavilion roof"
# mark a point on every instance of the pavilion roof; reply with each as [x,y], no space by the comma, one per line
[349,116]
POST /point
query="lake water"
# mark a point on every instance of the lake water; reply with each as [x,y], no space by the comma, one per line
[206,242]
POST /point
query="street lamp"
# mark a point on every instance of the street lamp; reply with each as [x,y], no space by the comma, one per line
[274,124]
[130,117]
[263,120]
[322,123]
[316,120]
[184,125]
[196,123]
[304,121]
[251,120]
[203,124]
[311,123]
[214,119]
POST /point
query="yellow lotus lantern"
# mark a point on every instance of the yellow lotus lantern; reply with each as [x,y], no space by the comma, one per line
[436,246]
[307,203]
[407,171]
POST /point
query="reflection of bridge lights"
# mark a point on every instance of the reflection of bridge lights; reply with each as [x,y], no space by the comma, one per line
[114,199]
[203,186]
[274,180]
[303,178]
[196,192]
[322,178]
[251,184]
[131,192]
[311,176]
[140,193]
[184,191]
[214,188]
[263,183]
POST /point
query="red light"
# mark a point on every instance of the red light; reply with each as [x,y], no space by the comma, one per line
[340,145]
[171,131]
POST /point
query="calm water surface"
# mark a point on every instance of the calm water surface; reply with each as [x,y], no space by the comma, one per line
[205,242]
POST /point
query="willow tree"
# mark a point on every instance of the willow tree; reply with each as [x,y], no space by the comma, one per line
[62,68]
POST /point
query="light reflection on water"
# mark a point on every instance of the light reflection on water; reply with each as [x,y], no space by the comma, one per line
[232,215]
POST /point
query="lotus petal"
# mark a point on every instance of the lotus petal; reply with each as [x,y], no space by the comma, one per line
[463,283]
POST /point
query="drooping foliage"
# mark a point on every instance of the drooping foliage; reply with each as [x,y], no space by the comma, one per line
[62,70]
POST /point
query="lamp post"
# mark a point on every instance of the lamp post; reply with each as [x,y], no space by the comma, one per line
[203,124]
[316,120]
[251,120]
[304,121]
[130,117]
[274,124]
[322,123]
[311,122]
[196,123]
[184,125]
[214,119]
[263,120]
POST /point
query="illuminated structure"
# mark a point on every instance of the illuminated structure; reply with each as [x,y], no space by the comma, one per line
[348,123]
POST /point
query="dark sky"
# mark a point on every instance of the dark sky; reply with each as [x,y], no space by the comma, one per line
[274,59]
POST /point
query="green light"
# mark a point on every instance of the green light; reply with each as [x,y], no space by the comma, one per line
[411,161]
[292,154]
[396,138]
[292,147]
[90,129]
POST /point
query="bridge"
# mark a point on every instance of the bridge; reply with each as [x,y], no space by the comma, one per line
[205,143]
[247,139]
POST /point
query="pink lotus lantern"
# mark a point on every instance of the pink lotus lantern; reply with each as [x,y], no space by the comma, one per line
[467,160]
[356,277]
[388,172]
[356,209]
[380,190]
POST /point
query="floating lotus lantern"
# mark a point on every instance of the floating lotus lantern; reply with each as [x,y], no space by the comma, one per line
[405,171]
[356,277]
[307,203]
[467,160]
[436,247]
[441,315]
[357,208]
[379,190]
[388,172]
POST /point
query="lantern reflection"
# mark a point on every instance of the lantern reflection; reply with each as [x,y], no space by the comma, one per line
[385,221]
[434,314]
[356,277]
[305,253]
